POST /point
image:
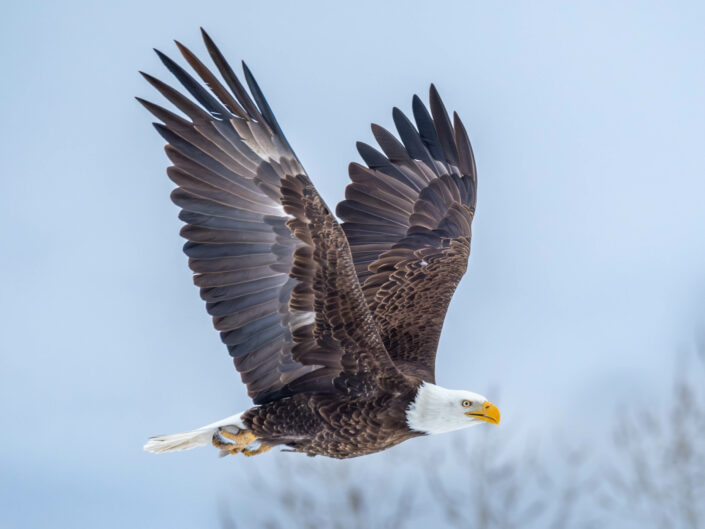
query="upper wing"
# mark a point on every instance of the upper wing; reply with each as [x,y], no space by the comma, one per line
[272,263]
[407,217]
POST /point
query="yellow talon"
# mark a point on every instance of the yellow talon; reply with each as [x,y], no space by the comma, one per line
[233,443]
[261,449]
[220,444]
[242,438]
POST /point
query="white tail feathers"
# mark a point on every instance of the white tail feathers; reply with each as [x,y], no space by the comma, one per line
[187,440]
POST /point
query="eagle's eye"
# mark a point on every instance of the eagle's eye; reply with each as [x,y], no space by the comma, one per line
[467,404]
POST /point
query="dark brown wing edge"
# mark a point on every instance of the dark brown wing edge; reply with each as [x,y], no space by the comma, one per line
[261,242]
[407,217]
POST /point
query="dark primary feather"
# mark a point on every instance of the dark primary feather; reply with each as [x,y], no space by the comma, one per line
[444,130]
[407,218]
[230,77]
[264,107]
[427,129]
[194,87]
[273,265]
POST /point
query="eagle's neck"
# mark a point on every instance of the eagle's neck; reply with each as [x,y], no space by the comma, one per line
[435,410]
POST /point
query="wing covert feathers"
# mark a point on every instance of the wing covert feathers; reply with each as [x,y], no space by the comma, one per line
[273,266]
[407,217]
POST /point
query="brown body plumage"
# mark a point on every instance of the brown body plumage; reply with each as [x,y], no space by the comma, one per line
[333,327]
[332,425]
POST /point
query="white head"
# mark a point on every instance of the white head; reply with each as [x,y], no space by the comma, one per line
[440,410]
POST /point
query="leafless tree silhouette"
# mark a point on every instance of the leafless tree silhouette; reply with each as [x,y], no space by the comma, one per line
[493,486]
[327,494]
[475,482]
[659,478]
[481,481]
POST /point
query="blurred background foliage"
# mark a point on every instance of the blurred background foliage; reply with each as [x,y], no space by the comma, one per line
[649,473]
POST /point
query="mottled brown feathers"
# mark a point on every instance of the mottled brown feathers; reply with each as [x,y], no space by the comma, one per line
[273,264]
[333,426]
[407,218]
[317,314]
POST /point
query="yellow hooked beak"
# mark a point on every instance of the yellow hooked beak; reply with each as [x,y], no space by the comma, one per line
[489,413]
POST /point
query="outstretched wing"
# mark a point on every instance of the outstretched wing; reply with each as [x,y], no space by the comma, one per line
[271,261]
[407,218]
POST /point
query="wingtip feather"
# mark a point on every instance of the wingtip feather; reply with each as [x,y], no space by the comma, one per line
[161,55]
[466,158]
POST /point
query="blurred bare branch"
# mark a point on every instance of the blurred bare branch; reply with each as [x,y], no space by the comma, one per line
[498,479]
[477,482]
[658,479]
[503,489]
[325,494]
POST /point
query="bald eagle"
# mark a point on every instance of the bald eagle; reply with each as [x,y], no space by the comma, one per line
[332,326]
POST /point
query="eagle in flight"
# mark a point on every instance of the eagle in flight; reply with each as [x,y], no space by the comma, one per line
[332,325]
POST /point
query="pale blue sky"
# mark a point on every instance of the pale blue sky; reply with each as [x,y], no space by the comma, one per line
[587,271]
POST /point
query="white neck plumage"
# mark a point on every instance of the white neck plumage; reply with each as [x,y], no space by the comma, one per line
[439,410]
